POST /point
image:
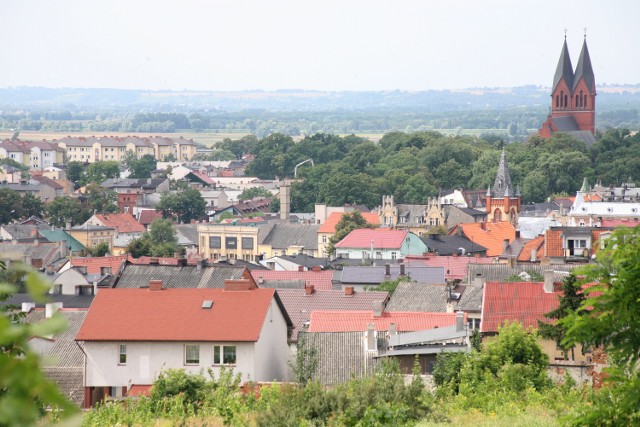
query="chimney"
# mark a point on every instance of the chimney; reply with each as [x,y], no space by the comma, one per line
[28,306]
[155,285]
[378,307]
[387,271]
[371,337]
[316,269]
[234,285]
[285,201]
[450,307]
[309,289]
[459,321]
[505,245]
[534,255]
[348,290]
[301,268]
[402,271]
[200,263]
[51,308]
[478,281]
[392,329]
[548,281]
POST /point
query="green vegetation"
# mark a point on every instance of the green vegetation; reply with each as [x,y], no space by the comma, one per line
[160,241]
[182,206]
[63,210]
[256,192]
[14,206]
[142,167]
[348,222]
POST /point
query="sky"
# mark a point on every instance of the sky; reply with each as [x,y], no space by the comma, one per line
[327,45]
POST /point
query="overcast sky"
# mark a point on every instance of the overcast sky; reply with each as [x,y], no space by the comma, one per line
[323,45]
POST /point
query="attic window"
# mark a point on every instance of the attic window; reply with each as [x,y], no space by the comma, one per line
[207,304]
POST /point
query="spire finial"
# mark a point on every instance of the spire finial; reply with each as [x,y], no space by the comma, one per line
[585,32]
[565,33]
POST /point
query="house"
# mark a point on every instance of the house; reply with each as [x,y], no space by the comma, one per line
[25,232]
[75,247]
[122,223]
[49,188]
[35,154]
[131,335]
[524,302]
[322,212]
[574,244]
[228,242]
[495,236]
[455,267]
[328,228]
[284,238]
[316,278]
[379,244]
[294,262]
[591,213]
[92,235]
[38,255]
[300,303]
[382,321]
[454,215]
[455,244]
[147,216]
[361,277]
[146,187]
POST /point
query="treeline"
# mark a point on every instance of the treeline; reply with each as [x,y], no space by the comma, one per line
[413,167]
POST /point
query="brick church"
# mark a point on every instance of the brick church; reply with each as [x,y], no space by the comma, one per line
[573,98]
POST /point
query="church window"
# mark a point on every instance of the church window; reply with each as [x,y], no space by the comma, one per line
[565,101]
[585,101]
[562,99]
[497,215]
[557,101]
[581,100]
[577,101]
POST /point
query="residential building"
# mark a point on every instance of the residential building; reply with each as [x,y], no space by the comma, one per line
[455,267]
[574,244]
[495,236]
[573,98]
[294,262]
[92,235]
[360,277]
[284,238]
[455,244]
[379,244]
[228,242]
[131,335]
[36,254]
[328,228]
[316,278]
[35,154]
[122,223]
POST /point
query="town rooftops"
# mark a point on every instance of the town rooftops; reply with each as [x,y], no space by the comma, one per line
[176,315]
[147,216]
[329,225]
[95,265]
[319,279]
[448,245]
[430,298]
[377,274]
[491,235]
[122,222]
[179,276]
[455,267]
[350,321]
[379,238]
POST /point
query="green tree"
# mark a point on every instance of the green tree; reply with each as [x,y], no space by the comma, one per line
[142,167]
[25,393]
[63,210]
[100,250]
[31,205]
[571,301]
[100,199]
[305,364]
[98,172]
[182,206]
[221,155]
[139,247]
[10,205]
[161,240]
[252,193]
[348,222]
[75,173]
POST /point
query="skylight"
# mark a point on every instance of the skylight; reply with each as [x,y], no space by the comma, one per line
[207,304]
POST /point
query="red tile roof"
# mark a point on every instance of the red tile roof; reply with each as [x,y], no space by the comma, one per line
[329,225]
[525,302]
[381,238]
[490,235]
[139,390]
[94,265]
[620,223]
[148,215]
[553,243]
[455,267]
[354,321]
[536,244]
[176,315]
[122,222]
[321,280]
[204,178]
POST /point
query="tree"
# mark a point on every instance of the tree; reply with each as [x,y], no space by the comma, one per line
[142,167]
[305,364]
[75,173]
[349,222]
[611,321]
[183,206]
[63,210]
[570,300]
[252,193]
[10,205]
[100,199]
[161,240]
[31,205]
[25,393]
[98,172]
[100,250]
[139,247]
[221,155]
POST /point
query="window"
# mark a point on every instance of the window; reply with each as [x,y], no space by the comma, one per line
[580,243]
[122,355]
[105,270]
[224,355]
[247,243]
[84,290]
[231,243]
[324,239]
[215,242]
[191,354]
[393,255]
[57,289]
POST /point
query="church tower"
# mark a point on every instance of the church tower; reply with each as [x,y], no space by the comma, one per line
[573,97]
[503,203]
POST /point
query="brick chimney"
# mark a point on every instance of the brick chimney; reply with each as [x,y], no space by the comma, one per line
[459,321]
[238,285]
[348,290]
[155,285]
[309,290]
[378,308]
[548,281]
[301,268]
[316,269]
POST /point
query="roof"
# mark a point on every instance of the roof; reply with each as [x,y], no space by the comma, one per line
[189,231]
[65,352]
[565,124]
[455,267]
[584,69]
[147,216]
[61,235]
[329,225]
[320,280]
[23,231]
[422,297]
[553,243]
[43,180]
[284,235]
[471,299]
[500,272]
[352,321]
[122,222]
[68,301]
[448,245]
[299,305]
[490,235]
[175,276]
[307,261]
[502,186]
[620,222]
[525,302]
[534,245]
[379,238]
[94,264]
[176,315]
[374,275]
[564,69]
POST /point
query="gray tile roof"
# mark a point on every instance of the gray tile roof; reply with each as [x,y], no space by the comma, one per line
[449,245]
[299,305]
[68,301]
[23,231]
[283,235]
[375,275]
[501,272]
[341,356]
[419,297]
[471,299]
[189,231]
[305,260]
[136,276]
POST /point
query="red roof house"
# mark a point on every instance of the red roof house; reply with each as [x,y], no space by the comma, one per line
[358,321]
[130,335]
[329,226]
[123,223]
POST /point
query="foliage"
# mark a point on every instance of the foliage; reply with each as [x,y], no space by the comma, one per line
[255,192]
[570,300]
[10,203]
[446,372]
[100,199]
[612,309]
[174,382]
[476,340]
[182,206]
[305,364]
[31,205]
[348,222]
[99,172]
[75,173]
[140,167]
[221,155]
[100,250]
[63,210]
[25,393]
[389,285]
[161,240]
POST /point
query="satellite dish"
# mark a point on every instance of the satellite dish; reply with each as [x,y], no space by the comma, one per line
[462,251]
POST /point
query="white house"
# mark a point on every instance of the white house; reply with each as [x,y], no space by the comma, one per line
[131,335]
[380,244]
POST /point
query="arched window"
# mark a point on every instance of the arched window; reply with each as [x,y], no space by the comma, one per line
[576,106]
[585,101]
[557,101]
[497,215]
[565,101]
[581,100]
[562,98]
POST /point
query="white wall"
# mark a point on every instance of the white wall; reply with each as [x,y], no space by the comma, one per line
[145,361]
[272,349]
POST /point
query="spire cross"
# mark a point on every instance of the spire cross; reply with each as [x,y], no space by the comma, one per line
[585,32]
[565,33]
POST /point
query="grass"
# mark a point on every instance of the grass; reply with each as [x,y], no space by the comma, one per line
[533,416]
